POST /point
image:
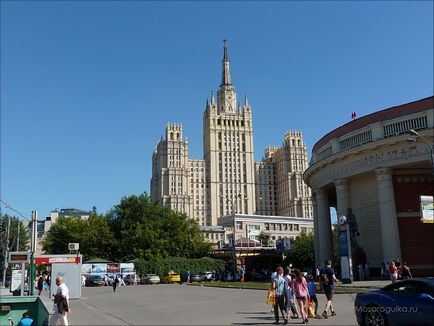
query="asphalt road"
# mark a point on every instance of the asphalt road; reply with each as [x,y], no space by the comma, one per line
[176,304]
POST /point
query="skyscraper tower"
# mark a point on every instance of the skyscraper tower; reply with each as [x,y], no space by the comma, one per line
[228,151]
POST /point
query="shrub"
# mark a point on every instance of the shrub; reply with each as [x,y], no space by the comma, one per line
[179,265]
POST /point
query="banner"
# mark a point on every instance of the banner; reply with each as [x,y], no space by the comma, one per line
[427,209]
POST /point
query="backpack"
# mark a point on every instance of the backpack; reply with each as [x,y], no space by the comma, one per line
[323,279]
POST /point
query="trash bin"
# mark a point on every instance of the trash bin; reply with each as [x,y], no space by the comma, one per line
[12,308]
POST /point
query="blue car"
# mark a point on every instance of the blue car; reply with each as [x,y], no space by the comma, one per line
[409,302]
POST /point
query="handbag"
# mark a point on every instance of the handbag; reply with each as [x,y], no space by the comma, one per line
[310,310]
[271,296]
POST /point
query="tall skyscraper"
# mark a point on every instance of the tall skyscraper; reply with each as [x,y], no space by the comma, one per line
[227,180]
[228,151]
[280,187]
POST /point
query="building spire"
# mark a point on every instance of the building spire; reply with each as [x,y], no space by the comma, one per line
[226,75]
[246,101]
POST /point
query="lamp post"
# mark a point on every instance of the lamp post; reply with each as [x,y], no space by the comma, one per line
[424,140]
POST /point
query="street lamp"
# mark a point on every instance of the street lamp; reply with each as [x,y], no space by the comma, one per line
[426,142]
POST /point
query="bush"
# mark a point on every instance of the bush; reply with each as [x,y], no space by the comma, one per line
[179,265]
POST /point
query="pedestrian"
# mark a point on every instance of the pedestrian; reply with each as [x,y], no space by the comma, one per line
[360,272]
[393,272]
[61,306]
[115,283]
[311,286]
[188,274]
[405,271]
[327,280]
[26,320]
[105,279]
[299,286]
[242,272]
[40,284]
[289,295]
[366,271]
[83,280]
[48,282]
[279,288]
[317,270]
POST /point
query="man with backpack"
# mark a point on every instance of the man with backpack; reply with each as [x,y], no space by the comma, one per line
[327,280]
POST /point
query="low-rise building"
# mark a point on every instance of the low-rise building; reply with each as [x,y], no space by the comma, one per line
[249,228]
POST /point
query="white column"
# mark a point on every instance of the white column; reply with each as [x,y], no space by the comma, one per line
[388,219]
[316,232]
[324,225]
[342,196]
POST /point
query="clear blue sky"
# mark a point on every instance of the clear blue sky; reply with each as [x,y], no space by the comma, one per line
[88,87]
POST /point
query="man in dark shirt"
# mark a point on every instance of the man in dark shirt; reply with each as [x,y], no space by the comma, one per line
[327,279]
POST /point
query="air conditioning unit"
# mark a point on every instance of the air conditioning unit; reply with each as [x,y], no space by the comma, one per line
[73,246]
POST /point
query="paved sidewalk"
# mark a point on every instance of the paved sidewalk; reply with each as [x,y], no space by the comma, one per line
[174,304]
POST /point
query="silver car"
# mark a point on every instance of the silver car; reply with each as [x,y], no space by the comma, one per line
[150,279]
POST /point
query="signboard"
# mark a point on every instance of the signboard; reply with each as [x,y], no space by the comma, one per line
[343,244]
[19,257]
[427,209]
[57,259]
[71,274]
[279,245]
[127,268]
[16,279]
[286,244]
[113,268]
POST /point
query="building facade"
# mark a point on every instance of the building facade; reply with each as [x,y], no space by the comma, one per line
[249,227]
[227,180]
[280,187]
[376,168]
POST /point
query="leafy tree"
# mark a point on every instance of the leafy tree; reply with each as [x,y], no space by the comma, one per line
[335,238]
[93,234]
[147,230]
[17,228]
[302,251]
[264,238]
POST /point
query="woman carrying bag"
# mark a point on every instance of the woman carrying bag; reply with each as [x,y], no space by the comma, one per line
[301,294]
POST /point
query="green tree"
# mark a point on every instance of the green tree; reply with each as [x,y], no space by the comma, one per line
[264,238]
[18,232]
[148,230]
[93,234]
[335,238]
[302,251]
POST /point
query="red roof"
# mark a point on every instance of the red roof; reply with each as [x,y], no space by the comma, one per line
[387,114]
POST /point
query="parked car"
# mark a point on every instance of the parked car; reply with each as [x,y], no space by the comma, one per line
[150,279]
[409,302]
[131,279]
[260,277]
[196,277]
[94,280]
[171,277]
[208,276]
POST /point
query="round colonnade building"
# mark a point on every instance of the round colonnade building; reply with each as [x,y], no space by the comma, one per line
[375,169]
